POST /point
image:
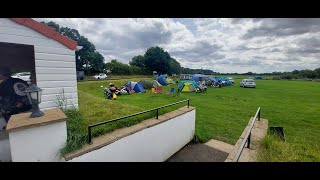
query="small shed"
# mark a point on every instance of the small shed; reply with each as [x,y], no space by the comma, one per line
[27,45]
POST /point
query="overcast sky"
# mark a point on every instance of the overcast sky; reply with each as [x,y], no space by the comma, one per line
[222,45]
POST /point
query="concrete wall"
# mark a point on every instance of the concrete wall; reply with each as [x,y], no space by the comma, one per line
[154,144]
[55,63]
[5,153]
[40,143]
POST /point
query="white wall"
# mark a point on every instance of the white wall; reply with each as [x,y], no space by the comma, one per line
[154,144]
[55,63]
[41,143]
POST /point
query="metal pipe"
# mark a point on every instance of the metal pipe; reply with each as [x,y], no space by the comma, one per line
[135,114]
[157,113]
[249,141]
[237,156]
[89,135]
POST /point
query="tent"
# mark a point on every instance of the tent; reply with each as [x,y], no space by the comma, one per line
[149,84]
[170,81]
[199,77]
[189,81]
[186,87]
[136,86]
[162,80]
[226,80]
[258,77]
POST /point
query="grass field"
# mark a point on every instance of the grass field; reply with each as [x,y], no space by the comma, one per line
[221,113]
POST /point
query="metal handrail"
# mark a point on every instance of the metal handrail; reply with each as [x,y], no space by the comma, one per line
[135,114]
[247,137]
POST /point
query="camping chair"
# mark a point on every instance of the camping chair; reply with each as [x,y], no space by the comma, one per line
[159,89]
[171,91]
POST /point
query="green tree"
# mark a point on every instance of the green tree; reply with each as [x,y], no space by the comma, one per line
[156,59]
[138,61]
[117,67]
[174,67]
[90,60]
[317,71]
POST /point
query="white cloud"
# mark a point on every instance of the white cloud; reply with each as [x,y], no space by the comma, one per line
[224,45]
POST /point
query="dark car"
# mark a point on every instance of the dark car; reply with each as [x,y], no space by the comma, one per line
[80,75]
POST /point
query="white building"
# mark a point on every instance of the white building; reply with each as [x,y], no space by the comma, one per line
[27,45]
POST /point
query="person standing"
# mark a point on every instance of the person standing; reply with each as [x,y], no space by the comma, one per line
[13,99]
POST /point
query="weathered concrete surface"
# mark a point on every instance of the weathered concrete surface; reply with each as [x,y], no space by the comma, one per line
[259,130]
[221,146]
[22,120]
[217,151]
[198,153]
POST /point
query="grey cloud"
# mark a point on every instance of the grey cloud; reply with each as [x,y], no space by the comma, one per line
[312,42]
[283,27]
[216,56]
[137,39]
[200,51]
[259,57]
[306,46]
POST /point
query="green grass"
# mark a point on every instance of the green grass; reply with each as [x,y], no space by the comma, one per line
[273,149]
[221,113]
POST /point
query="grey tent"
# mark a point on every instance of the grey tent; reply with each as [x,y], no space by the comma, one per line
[149,84]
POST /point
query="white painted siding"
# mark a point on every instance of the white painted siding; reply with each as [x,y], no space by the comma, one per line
[55,63]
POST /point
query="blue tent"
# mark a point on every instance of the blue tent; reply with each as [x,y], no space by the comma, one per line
[199,77]
[228,82]
[193,82]
[136,86]
[162,80]
[258,77]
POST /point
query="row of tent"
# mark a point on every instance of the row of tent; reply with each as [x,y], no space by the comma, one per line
[146,84]
[184,86]
[139,87]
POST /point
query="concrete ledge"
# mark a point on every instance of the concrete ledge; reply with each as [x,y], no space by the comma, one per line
[259,130]
[111,137]
[222,146]
[22,121]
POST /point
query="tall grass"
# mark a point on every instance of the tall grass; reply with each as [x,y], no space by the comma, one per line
[273,149]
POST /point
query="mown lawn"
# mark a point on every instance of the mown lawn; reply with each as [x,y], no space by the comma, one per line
[221,113]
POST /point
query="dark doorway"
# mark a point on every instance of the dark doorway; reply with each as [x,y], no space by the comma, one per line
[19,58]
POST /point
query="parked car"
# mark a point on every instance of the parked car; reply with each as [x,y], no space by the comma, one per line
[80,75]
[247,83]
[23,75]
[100,76]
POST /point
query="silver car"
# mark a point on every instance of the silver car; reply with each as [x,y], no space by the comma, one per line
[247,83]
[23,75]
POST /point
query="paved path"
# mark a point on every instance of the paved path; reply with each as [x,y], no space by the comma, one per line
[198,153]
[218,151]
